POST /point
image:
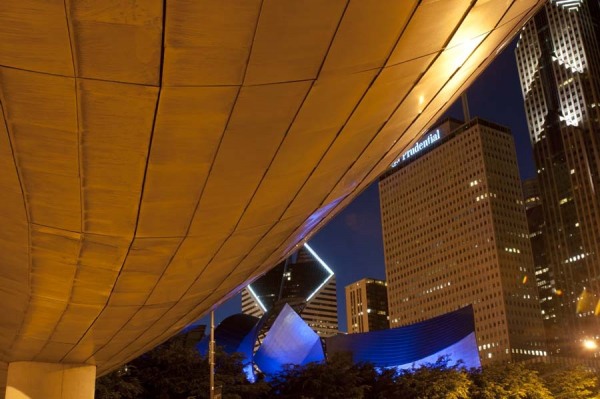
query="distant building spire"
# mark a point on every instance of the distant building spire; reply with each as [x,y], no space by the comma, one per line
[465,106]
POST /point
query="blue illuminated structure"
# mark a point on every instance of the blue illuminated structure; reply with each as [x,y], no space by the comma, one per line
[289,341]
[451,335]
[236,334]
[232,335]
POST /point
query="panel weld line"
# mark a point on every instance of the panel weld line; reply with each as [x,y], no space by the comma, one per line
[20,179]
[79,175]
[450,78]
[289,204]
[160,337]
[464,16]
[142,191]
[423,74]
[175,252]
[260,183]
[321,159]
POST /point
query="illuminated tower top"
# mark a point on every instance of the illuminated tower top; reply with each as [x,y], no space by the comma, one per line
[305,282]
[558,61]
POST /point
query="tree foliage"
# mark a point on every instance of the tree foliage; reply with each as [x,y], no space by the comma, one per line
[119,384]
[174,370]
[571,382]
[338,378]
[438,380]
[510,381]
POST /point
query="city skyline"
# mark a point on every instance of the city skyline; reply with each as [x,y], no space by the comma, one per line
[158,157]
[351,243]
[495,96]
[354,236]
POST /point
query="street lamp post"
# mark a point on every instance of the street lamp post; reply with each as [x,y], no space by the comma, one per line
[211,354]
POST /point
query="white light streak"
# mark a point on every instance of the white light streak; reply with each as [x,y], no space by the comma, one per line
[324,265]
[262,306]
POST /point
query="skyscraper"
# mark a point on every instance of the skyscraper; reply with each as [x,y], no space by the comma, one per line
[305,282]
[366,306]
[455,234]
[558,60]
[543,273]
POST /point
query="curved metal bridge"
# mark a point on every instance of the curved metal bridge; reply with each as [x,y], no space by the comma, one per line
[156,156]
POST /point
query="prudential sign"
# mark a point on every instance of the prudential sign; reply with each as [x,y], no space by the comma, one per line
[418,147]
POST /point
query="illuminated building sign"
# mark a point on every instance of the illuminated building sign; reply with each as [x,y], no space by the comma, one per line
[418,147]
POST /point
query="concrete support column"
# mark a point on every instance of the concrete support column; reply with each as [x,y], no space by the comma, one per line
[33,380]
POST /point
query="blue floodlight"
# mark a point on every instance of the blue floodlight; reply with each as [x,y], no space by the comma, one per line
[289,341]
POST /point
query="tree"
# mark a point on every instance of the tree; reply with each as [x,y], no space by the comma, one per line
[229,374]
[571,382]
[119,384]
[436,380]
[337,378]
[174,370]
[379,383]
[510,381]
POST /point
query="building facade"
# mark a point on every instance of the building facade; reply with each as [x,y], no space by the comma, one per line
[455,234]
[558,60]
[305,282]
[366,306]
[543,274]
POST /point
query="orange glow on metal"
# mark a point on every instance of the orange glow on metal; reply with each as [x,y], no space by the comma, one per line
[156,156]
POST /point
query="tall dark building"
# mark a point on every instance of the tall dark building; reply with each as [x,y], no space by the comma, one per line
[367,306]
[305,282]
[558,59]
[543,273]
[455,234]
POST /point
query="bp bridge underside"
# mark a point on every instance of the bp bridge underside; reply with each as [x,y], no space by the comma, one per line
[158,155]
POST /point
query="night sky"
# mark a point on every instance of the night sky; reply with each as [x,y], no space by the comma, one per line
[351,243]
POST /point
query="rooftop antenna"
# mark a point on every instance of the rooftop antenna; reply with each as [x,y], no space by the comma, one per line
[465,106]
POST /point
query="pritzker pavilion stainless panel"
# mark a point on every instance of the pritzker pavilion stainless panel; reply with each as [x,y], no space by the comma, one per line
[155,156]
